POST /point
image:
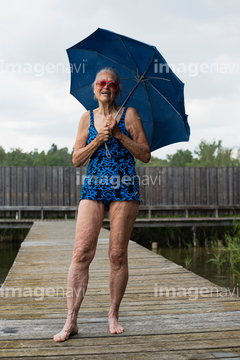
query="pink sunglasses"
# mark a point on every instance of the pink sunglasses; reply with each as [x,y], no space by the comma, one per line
[112,85]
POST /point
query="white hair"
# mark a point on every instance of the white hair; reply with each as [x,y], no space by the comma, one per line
[114,72]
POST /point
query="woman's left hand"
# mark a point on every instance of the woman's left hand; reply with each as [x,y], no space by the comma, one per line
[113,125]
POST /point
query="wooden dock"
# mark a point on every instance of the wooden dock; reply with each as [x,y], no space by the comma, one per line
[167,311]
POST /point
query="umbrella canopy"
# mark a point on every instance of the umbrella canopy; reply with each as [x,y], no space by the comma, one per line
[147,82]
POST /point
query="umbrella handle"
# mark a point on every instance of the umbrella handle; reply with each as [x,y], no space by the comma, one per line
[107,151]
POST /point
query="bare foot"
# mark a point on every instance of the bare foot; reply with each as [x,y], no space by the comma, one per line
[66,332]
[114,326]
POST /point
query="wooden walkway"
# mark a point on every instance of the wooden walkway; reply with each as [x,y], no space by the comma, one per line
[193,324]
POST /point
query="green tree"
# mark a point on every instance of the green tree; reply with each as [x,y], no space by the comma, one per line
[153,162]
[53,149]
[238,157]
[224,157]
[42,160]
[18,158]
[59,157]
[213,154]
[206,153]
[2,156]
[180,158]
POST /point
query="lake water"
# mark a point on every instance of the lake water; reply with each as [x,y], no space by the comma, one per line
[8,252]
[202,267]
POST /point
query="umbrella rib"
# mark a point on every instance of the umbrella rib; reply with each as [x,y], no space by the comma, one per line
[150,62]
[163,96]
[72,91]
[129,53]
[150,111]
[157,78]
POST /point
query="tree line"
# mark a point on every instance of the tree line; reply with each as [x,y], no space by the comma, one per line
[205,154]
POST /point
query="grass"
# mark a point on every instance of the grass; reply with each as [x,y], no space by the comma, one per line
[229,255]
[188,262]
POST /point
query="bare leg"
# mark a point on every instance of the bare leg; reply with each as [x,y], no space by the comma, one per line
[89,222]
[122,217]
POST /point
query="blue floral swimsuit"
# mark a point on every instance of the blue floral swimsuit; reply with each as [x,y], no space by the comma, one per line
[114,178]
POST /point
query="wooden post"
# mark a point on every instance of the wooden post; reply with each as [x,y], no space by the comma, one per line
[155,247]
[194,236]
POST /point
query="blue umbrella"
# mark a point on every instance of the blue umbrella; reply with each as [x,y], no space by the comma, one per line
[148,84]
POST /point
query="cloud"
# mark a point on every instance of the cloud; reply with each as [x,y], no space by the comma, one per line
[217,112]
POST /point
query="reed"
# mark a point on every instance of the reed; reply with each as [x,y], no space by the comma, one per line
[230,254]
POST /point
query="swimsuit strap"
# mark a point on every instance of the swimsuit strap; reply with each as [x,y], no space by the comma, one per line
[123,115]
[91,118]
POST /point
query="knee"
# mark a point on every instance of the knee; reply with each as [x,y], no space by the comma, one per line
[117,257]
[83,255]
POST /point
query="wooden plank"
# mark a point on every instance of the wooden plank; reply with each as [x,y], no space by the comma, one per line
[198,186]
[31,181]
[38,173]
[78,184]
[139,173]
[83,174]
[7,187]
[60,186]
[186,185]
[176,355]
[192,187]
[230,185]
[55,180]
[66,184]
[19,186]
[164,186]
[13,185]
[2,186]
[119,346]
[225,186]
[181,195]
[42,185]
[175,185]
[170,183]
[219,185]
[25,186]
[72,189]
[146,176]
[212,186]
[222,186]
[159,185]
[236,197]
[149,186]
[203,186]
[49,186]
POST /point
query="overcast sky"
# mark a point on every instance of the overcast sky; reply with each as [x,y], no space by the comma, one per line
[200,39]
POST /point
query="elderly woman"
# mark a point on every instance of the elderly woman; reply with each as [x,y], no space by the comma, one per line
[110,185]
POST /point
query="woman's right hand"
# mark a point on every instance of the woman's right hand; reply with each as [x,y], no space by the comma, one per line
[104,133]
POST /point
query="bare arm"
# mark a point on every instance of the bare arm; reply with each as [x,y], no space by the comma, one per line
[82,151]
[138,146]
